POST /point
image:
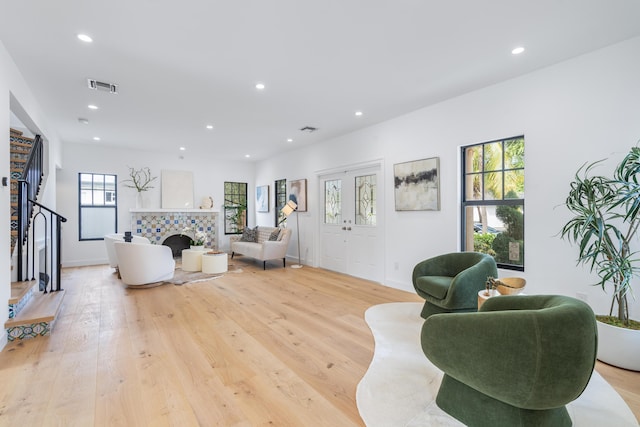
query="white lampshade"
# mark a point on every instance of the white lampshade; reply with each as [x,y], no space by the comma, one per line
[289,208]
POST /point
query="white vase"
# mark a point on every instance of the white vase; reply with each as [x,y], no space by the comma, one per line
[139,201]
[197,247]
[619,346]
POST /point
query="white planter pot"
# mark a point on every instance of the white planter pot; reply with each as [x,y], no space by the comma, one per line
[619,346]
[197,247]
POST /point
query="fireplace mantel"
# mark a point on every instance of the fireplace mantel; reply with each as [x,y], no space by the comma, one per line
[157,224]
[165,210]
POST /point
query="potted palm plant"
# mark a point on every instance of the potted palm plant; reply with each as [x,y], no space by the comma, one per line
[604,226]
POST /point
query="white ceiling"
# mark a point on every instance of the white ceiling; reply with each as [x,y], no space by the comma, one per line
[183,65]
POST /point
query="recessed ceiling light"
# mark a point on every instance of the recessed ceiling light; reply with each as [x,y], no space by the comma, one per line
[92,107]
[83,121]
[517,50]
[96,138]
[247,155]
[358,113]
[289,140]
[259,86]
[182,148]
[85,38]
[209,127]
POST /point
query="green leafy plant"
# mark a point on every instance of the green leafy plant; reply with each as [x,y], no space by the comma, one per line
[140,179]
[606,216]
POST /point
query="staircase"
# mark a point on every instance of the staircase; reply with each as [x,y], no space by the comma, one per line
[32,313]
[20,147]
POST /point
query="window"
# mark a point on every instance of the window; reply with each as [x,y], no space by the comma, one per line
[493,200]
[281,199]
[98,206]
[235,207]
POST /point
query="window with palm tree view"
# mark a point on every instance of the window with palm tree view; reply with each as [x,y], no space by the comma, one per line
[493,200]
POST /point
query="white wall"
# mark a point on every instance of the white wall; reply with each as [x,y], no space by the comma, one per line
[580,110]
[208,176]
[15,95]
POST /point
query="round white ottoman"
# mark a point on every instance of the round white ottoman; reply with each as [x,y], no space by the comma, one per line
[191,260]
[214,263]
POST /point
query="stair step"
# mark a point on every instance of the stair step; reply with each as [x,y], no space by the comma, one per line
[37,318]
[20,144]
[21,293]
[20,289]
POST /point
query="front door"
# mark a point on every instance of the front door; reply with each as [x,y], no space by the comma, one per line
[350,240]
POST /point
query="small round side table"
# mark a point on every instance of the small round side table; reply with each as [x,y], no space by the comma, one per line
[191,260]
[214,263]
[483,296]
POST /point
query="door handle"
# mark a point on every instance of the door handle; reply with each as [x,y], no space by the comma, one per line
[344,228]
[348,228]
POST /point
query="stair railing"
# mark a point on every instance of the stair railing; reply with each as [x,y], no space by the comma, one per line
[28,188]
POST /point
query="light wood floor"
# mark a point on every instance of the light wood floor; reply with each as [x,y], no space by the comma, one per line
[281,347]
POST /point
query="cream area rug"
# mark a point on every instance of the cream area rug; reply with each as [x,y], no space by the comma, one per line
[401,384]
[181,277]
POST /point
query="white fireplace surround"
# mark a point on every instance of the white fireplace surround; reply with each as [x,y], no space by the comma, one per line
[159,223]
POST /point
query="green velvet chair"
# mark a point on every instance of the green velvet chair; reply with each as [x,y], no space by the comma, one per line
[450,283]
[516,362]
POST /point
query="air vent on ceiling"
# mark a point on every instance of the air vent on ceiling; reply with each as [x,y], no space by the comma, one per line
[308,129]
[102,86]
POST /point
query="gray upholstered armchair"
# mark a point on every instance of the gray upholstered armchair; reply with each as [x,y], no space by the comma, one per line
[516,362]
[450,283]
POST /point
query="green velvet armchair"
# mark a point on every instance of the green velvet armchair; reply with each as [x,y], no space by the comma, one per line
[450,283]
[517,362]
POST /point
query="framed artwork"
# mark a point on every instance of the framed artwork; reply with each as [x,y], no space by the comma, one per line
[262,198]
[417,185]
[177,189]
[298,193]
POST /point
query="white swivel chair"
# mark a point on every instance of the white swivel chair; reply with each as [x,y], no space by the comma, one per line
[141,264]
[109,239]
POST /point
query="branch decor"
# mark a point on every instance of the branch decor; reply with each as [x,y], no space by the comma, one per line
[140,179]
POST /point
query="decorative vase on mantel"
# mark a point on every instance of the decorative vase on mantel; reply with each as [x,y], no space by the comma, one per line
[139,200]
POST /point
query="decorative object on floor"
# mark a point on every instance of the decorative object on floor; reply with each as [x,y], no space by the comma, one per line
[298,193]
[128,237]
[518,361]
[450,283]
[417,185]
[140,264]
[177,189]
[287,210]
[400,386]
[262,198]
[605,222]
[263,248]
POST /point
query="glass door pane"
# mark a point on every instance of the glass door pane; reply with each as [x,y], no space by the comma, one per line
[333,201]
[365,190]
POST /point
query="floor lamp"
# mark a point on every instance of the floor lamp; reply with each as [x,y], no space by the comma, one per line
[287,210]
